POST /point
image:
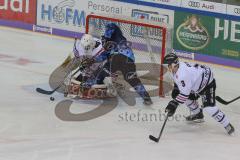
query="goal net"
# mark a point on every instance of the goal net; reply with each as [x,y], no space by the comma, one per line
[150,42]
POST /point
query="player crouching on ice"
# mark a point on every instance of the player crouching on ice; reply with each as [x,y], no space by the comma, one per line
[88,56]
[192,81]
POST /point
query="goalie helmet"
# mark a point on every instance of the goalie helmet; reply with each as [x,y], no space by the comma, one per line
[88,43]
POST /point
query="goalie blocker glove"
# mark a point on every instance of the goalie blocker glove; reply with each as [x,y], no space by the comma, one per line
[171,107]
[87,62]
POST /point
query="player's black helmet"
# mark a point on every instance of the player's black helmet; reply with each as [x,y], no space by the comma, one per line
[171,58]
[113,33]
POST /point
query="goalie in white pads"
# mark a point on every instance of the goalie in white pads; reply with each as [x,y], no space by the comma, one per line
[89,56]
[192,81]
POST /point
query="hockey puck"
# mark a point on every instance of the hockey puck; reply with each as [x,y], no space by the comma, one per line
[52,98]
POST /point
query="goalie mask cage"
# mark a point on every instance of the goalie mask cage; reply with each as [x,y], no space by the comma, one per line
[150,42]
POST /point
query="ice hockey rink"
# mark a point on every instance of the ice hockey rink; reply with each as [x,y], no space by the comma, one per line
[30,129]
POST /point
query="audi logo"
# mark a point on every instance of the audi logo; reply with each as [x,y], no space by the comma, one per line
[194,4]
[237,10]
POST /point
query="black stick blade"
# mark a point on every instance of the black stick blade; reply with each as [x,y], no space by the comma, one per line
[153,138]
[40,90]
[219,99]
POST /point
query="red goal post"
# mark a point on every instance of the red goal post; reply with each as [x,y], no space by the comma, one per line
[151,41]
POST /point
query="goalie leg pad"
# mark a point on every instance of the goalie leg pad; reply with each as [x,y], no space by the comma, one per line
[95,92]
[67,60]
[111,91]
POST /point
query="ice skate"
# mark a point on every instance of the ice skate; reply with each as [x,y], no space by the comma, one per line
[230,129]
[199,117]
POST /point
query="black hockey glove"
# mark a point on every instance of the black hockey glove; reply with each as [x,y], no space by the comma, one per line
[104,40]
[108,44]
[193,96]
[81,68]
[171,107]
[86,63]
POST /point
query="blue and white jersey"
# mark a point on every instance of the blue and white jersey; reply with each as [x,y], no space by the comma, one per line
[113,33]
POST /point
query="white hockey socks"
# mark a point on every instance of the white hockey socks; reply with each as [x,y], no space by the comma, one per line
[217,114]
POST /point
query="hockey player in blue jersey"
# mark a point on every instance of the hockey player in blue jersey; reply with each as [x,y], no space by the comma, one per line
[122,58]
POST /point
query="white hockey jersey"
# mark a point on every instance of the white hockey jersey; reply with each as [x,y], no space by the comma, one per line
[191,78]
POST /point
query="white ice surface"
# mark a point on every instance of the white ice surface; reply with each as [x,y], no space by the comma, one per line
[30,130]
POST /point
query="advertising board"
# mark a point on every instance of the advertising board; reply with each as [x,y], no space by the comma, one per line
[18,10]
[71,15]
[207,35]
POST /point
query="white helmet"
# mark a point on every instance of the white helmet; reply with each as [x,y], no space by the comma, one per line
[88,43]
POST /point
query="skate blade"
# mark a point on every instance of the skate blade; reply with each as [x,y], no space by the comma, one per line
[196,121]
[232,134]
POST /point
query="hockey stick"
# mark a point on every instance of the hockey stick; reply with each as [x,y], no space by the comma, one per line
[40,90]
[160,134]
[220,100]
